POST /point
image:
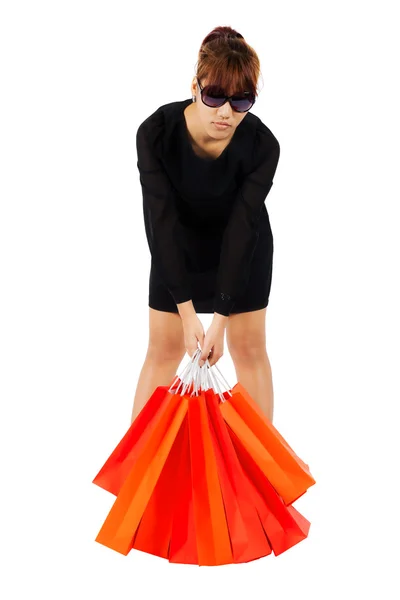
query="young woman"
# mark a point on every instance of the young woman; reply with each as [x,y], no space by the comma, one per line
[206,166]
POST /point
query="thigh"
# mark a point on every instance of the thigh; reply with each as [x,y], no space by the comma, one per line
[245,334]
[166,338]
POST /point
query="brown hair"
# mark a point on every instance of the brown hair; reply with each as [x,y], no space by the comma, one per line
[227,60]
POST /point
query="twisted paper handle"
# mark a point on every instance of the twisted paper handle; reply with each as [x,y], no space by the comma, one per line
[200,378]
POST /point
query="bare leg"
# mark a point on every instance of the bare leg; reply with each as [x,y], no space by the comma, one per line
[256,377]
[154,372]
[246,339]
[165,352]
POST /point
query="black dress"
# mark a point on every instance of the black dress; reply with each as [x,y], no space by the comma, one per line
[206,221]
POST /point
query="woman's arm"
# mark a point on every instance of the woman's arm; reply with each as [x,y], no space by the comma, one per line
[241,233]
[161,218]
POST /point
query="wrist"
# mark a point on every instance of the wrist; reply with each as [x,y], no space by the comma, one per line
[220,320]
[186,310]
[223,304]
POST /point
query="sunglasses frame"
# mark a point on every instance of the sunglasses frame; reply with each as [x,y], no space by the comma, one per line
[227,99]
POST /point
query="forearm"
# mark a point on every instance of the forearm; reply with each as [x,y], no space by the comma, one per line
[186,311]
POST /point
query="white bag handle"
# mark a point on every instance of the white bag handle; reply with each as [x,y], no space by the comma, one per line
[202,378]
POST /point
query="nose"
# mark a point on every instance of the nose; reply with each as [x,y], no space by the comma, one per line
[224,111]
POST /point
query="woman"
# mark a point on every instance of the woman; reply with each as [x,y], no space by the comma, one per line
[206,166]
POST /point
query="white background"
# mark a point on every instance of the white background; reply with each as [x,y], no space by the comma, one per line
[77,79]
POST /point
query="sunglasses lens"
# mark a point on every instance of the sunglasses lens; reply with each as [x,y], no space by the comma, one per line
[242,103]
[214,97]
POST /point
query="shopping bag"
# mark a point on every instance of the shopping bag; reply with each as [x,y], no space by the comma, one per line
[154,532]
[202,477]
[284,526]
[289,475]
[150,454]
[183,543]
[117,466]
[280,527]
[247,535]
[212,534]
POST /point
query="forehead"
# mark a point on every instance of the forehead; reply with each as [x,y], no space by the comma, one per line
[230,83]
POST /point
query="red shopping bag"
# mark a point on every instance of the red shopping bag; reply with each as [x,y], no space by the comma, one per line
[246,531]
[166,503]
[202,477]
[117,466]
[284,526]
[183,543]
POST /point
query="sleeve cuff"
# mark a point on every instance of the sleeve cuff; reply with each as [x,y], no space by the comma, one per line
[223,304]
[180,295]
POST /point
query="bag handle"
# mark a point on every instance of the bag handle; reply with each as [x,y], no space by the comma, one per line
[201,378]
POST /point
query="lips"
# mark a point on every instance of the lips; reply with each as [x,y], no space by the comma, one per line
[224,124]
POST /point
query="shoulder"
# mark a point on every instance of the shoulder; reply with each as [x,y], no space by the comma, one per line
[264,139]
[259,140]
[259,144]
[165,114]
[151,127]
[160,123]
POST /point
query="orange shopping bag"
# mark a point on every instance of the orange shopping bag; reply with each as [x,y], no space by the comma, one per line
[289,475]
[202,477]
[212,534]
[259,522]
[147,460]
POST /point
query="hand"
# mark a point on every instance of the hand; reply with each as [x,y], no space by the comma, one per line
[213,346]
[193,333]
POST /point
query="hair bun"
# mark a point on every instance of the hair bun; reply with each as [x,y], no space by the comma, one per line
[235,34]
[224,32]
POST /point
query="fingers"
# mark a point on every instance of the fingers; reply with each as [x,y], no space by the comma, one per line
[215,358]
[204,355]
[212,356]
[216,353]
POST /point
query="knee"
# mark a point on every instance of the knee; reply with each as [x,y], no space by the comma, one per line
[247,351]
[162,351]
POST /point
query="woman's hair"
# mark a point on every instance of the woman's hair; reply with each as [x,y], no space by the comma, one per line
[227,60]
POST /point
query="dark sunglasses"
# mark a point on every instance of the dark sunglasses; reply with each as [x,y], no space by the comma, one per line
[214,97]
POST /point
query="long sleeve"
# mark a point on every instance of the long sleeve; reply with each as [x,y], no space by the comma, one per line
[160,212]
[241,233]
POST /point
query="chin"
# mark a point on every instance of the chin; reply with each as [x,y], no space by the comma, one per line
[219,132]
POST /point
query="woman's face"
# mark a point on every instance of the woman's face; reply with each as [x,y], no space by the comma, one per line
[209,117]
